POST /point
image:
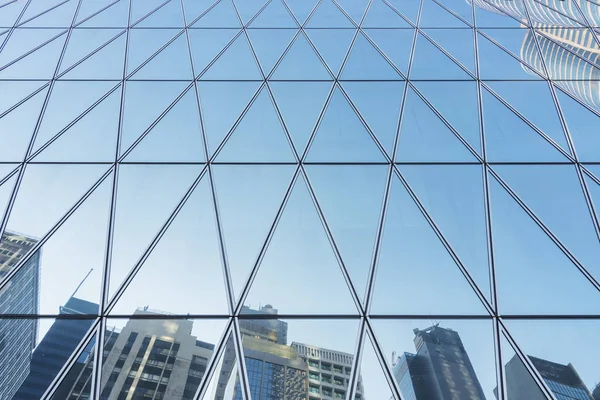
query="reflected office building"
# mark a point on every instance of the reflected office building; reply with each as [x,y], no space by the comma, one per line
[18,296]
[440,370]
[562,380]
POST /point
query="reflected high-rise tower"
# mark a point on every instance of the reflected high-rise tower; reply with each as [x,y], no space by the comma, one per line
[19,296]
[440,370]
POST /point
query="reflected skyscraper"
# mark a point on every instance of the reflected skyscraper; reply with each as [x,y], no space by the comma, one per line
[562,380]
[19,296]
[440,370]
[55,348]
[596,392]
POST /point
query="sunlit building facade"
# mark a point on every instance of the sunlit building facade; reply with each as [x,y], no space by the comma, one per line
[297,185]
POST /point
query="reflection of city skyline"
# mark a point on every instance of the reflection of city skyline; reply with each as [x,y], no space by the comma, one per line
[568,49]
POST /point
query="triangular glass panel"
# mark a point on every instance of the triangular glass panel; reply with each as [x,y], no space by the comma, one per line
[497,16]
[462,9]
[495,63]
[409,241]
[192,9]
[144,103]
[351,208]
[140,8]
[301,63]
[458,103]
[435,16]
[135,227]
[92,138]
[115,16]
[300,104]
[341,135]
[61,110]
[177,137]
[301,8]
[236,63]
[592,185]
[77,381]
[89,8]
[143,43]
[332,44]
[82,42]
[396,44]
[299,246]
[354,8]
[366,63]
[380,15]
[528,263]
[409,9]
[35,9]
[430,357]
[41,64]
[373,381]
[22,41]
[512,41]
[269,45]
[275,15]
[150,286]
[167,16]
[517,378]
[509,138]
[225,380]
[425,138]
[107,63]
[60,17]
[17,127]
[6,188]
[458,42]
[328,15]
[542,113]
[546,344]
[379,104]
[83,235]
[431,63]
[581,122]
[248,198]
[259,137]
[222,103]
[453,197]
[10,12]
[17,91]
[248,9]
[206,44]
[567,215]
[173,62]
[62,185]
[222,15]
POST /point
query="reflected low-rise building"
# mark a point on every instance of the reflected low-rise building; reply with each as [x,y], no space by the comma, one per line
[562,380]
[18,336]
[440,370]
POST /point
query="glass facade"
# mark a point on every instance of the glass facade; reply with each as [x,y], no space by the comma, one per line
[299,199]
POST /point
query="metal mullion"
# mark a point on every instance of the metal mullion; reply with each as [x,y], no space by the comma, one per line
[24,100]
[556,84]
[70,124]
[502,13]
[213,363]
[164,46]
[471,25]
[332,243]
[72,360]
[356,363]
[526,362]
[589,173]
[45,11]
[14,26]
[547,231]
[312,45]
[555,11]
[527,122]
[202,14]
[398,71]
[260,10]
[35,248]
[131,25]
[261,254]
[239,349]
[538,31]
[389,375]
[348,15]
[96,13]
[447,54]
[102,46]
[9,175]
[408,21]
[445,243]
[500,379]
[152,245]
[219,54]
[218,225]
[22,56]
